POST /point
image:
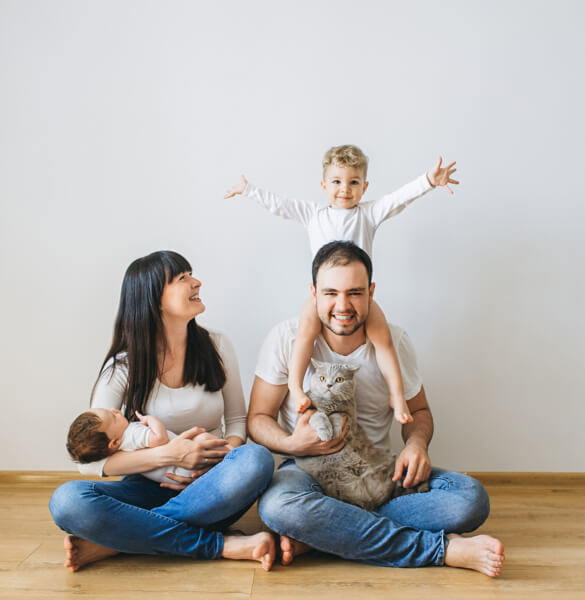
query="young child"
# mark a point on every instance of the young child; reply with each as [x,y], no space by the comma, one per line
[98,433]
[345,218]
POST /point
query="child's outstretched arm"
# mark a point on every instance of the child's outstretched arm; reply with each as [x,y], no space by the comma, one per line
[288,208]
[158,432]
[379,334]
[438,176]
[392,204]
[308,330]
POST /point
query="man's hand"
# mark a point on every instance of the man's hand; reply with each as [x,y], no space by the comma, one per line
[304,441]
[415,459]
[236,189]
[442,176]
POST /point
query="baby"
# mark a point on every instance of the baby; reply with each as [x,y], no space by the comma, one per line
[345,218]
[100,432]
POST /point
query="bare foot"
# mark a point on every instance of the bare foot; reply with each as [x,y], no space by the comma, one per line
[290,548]
[259,546]
[301,401]
[481,553]
[80,552]
[401,411]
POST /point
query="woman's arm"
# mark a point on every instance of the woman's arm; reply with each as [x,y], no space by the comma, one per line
[234,405]
[193,449]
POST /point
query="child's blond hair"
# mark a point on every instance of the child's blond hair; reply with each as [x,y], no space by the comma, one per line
[346,156]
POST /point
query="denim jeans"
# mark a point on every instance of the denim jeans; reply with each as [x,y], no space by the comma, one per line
[408,531]
[137,516]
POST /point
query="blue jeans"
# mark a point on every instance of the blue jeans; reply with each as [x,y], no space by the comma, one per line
[137,516]
[408,531]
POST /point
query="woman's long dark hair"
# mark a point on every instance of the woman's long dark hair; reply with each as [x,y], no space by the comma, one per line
[139,333]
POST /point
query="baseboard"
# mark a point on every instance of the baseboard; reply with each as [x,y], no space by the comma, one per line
[490,478]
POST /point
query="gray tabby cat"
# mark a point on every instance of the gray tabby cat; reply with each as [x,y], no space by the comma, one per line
[360,473]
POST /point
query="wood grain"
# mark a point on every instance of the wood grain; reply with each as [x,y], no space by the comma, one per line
[540,517]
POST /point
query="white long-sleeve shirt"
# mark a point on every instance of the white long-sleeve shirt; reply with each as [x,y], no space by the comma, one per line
[325,223]
[181,408]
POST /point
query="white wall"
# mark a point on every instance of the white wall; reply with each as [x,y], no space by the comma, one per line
[122,123]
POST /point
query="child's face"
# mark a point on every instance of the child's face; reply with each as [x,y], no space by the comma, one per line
[344,186]
[114,423]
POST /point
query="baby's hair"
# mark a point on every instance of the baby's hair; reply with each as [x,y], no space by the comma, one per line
[346,156]
[85,442]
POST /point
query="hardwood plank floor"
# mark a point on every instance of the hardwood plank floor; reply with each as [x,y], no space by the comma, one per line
[539,517]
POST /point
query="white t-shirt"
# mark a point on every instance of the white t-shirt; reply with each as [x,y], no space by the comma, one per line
[325,224]
[181,408]
[371,392]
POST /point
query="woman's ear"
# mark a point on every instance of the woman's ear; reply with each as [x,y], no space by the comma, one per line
[113,445]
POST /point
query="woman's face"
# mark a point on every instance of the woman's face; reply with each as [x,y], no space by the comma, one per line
[180,298]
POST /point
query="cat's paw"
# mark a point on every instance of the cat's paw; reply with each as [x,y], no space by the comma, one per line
[322,426]
[325,433]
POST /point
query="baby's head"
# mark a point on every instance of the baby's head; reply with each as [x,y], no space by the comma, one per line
[96,434]
[345,169]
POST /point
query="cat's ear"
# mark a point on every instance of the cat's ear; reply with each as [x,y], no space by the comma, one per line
[317,364]
[351,368]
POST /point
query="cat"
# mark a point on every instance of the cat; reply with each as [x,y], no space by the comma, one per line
[360,473]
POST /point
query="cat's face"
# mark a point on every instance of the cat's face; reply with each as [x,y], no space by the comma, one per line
[332,386]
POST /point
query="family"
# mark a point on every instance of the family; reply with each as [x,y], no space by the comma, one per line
[168,413]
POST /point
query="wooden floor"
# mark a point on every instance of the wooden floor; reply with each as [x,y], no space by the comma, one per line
[540,519]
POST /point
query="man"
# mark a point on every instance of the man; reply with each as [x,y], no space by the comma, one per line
[413,530]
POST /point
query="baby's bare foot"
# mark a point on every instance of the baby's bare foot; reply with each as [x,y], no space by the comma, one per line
[481,553]
[260,547]
[80,552]
[290,548]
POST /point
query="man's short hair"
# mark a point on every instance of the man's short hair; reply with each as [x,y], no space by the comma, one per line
[346,156]
[340,253]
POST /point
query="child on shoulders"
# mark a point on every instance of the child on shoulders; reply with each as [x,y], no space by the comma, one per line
[347,218]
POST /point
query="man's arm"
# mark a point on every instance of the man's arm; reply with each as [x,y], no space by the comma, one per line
[417,437]
[265,402]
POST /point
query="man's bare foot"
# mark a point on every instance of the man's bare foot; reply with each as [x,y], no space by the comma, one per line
[80,552]
[481,553]
[290,548]
[260,547]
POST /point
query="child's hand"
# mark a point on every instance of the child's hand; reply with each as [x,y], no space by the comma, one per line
[144,419]
[442,177]
[236,189]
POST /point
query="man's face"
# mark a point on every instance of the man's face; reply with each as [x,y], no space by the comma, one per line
[343,297]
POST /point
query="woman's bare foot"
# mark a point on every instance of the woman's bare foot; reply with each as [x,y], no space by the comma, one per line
[481,553]
[80,552]
[259,546]
[290,548]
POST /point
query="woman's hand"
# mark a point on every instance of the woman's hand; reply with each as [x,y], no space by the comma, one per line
[197,450]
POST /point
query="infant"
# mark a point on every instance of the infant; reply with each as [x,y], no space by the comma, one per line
[100,432]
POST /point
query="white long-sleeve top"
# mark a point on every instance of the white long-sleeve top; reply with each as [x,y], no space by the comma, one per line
[326,223]
[181,408]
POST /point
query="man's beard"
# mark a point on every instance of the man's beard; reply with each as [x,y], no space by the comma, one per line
[345,332]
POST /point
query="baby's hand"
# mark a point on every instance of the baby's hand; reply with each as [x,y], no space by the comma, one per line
[236,189]
[442,176]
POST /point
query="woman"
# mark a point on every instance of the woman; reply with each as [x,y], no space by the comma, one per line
[162,363]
